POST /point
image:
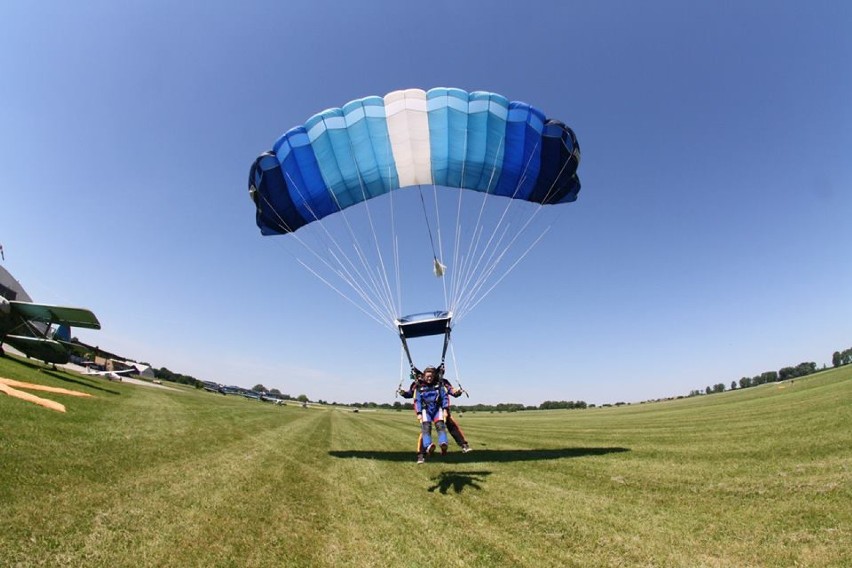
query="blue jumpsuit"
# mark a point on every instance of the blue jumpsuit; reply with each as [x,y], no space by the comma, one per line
[430,402]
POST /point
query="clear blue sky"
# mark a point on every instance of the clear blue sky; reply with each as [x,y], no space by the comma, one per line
[710,241]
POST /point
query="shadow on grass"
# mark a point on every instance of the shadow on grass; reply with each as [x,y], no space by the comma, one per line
[458,481]
[35,366]
[70,379]
[481,456]
[57,373]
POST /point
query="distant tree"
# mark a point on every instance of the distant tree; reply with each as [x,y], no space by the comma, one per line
[733,385]
[800,370]
[302,398]
[258,388]
[274,391]
[718,387]
[708,390]
[166,375]
[769,377]
[842,357]
[745,382]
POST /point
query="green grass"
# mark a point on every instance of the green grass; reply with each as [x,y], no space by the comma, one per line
[143,477]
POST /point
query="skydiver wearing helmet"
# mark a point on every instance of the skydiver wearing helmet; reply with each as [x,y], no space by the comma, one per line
[453,427]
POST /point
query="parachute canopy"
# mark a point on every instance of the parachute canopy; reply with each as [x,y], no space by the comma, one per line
[483,169]
[478,141]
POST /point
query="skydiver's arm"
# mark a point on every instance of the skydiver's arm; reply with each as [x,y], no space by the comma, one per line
[408,393]
[453,391]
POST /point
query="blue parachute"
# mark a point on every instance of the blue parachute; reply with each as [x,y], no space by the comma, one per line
[505,160]
[442,137]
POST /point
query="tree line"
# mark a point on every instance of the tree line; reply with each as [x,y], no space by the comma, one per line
[838,359]
[165,375]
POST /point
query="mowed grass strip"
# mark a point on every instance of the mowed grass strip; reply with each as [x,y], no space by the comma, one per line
[137,476]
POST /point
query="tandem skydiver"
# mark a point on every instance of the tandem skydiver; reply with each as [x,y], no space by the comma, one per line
[453,427]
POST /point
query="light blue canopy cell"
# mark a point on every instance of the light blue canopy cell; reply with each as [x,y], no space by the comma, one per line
[445,137]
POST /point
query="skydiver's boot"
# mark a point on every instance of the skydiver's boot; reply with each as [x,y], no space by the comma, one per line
[442,436]
[420,459]
[466,448]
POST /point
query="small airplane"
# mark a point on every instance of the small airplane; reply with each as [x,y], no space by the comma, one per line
[114,375]
[210,386]
[29,328]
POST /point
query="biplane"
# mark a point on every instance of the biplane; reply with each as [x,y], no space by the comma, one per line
[32,328]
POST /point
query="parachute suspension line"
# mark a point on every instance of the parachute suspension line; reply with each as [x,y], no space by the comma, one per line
[380,294]
[440,243]
[497,227]
[394,236]
[343,272]
[480,284]
[457,262]
[438,271]
[474,243]
[487,269]
[523,229]
[506,273]
[395,241]
[401,371]
[383,323]
[456,367]
[439,266]
[477,226]
[322,260]
[457,275]
[369,300]
[458,215]
[394,308]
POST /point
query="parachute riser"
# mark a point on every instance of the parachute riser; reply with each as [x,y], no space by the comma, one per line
[411,328]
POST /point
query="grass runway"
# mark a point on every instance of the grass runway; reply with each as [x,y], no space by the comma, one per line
[135,476]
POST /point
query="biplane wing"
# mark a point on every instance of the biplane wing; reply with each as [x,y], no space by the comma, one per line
[47,350]
[27,327]
[74,317]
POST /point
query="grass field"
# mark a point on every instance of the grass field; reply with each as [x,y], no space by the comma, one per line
[137,476]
